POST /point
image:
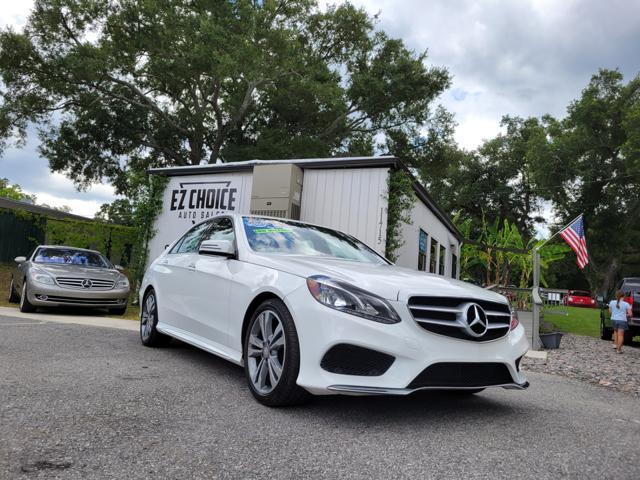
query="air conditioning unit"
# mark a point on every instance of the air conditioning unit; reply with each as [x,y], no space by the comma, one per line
[277,190]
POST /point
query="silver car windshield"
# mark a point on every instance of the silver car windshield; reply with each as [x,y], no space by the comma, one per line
[290,237]
[70,256]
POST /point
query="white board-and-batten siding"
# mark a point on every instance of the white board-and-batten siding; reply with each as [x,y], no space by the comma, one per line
[351,200]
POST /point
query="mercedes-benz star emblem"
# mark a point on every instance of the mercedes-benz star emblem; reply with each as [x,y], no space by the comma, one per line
[86,283]
[475,320]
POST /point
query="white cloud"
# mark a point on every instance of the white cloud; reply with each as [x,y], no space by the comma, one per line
[86,208]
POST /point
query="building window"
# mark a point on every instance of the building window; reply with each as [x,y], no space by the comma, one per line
[442,263]
[454,262]
[433,257]
[422,250]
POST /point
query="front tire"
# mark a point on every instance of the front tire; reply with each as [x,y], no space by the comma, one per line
[272,356]
[25,304]
[628,337]
[149,334]
[13,296]
[605,333]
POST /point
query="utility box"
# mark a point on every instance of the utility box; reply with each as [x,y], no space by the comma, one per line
[277,190]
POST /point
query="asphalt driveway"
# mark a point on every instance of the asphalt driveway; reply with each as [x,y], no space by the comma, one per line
[80,401]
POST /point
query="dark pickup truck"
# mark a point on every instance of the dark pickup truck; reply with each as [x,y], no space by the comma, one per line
[631,289]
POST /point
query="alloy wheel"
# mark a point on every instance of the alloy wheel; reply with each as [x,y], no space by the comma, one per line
[148,316]
[266,351]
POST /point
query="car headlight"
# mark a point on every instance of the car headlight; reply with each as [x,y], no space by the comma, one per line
[39,276]
[515,321]
[123,283]
[349,299]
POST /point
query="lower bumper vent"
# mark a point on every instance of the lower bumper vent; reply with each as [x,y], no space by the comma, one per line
[348,359]
[462,375]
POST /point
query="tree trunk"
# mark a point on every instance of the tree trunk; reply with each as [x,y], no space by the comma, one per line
[609,279]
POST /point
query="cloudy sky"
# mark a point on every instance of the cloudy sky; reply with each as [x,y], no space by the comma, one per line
[518,57]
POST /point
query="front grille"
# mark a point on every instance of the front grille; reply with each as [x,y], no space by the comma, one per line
[353,360]
[445,316]
[96,283]
[83,301]
[463,375]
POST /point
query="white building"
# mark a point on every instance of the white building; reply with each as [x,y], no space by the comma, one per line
[348,194]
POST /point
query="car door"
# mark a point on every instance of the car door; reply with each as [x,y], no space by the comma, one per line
[174,276]
[211,286]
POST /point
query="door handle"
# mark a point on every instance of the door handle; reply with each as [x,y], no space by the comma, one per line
[191,266]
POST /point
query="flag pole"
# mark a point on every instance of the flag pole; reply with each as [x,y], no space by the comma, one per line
[560,230]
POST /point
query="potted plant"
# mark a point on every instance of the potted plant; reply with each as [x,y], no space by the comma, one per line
[550,336]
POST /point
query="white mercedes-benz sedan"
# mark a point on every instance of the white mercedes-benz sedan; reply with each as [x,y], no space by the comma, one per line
[310,310]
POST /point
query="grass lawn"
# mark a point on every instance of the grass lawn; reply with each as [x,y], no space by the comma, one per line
[579,321]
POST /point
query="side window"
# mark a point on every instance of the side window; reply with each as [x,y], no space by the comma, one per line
[221,229]
[441,264]
[433,256]
[190,241]
[422,250]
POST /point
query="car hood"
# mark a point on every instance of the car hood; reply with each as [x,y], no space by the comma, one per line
[59,270]
[387,281]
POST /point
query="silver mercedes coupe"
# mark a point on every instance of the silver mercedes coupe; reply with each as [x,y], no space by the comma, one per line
[56,276]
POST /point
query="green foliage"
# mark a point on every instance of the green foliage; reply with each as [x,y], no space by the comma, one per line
[14,192]
[501,255]
[401,199]
[148,193]
[141,83]
[120,211]
[113,240]
[594,168]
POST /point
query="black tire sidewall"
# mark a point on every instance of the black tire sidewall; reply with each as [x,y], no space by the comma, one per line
[156,339]
[25,305]
[287,392]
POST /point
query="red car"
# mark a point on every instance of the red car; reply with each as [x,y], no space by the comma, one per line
[580,298]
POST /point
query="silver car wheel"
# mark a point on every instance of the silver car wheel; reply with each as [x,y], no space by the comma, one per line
[147,317]
[266,351]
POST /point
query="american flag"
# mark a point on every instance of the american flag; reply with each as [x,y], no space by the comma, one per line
[574,236]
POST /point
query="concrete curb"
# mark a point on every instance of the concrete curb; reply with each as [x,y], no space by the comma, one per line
[104,322]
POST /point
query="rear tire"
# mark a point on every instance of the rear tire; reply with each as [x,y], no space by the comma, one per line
[272,356]
[25,305]
[149,335]
[13,296]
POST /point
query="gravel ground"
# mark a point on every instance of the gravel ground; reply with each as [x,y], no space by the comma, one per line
[82,402]
[592,360]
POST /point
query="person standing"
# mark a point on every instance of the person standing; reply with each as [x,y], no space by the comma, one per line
[619,310]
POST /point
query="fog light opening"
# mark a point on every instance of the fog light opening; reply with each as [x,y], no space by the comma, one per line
[44,298]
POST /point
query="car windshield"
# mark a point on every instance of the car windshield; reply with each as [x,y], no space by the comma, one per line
[293,238]
[581,293]
[70,256]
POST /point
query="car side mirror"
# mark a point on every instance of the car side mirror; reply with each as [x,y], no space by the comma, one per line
[217,247]
[119,268]
[20,259]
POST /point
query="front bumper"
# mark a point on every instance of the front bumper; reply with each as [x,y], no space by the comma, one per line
[54,296]
[320,328]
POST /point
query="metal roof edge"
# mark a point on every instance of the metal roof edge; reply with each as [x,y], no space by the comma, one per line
[316,163]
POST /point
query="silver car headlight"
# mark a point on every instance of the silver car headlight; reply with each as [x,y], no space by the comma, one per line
[349,299]
[123,283]
[40,276]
